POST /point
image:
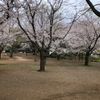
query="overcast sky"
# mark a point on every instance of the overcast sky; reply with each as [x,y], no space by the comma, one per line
[80,3]
[93,1]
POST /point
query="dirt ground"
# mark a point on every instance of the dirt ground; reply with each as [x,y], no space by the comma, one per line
[19,80]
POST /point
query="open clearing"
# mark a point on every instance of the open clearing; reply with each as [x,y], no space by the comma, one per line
[19,80]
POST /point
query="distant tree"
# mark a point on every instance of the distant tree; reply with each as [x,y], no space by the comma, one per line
[6,7]
[10,36]
[87,36]
[13,48]
[5,37]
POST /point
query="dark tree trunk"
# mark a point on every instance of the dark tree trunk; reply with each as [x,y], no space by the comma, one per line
[11,53]
[42,61]
[1,50]
[87,55]
[58,57]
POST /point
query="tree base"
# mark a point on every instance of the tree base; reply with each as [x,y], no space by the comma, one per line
[86,65]
[41,70]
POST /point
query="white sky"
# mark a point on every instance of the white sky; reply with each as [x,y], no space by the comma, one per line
[80,3]
[93,1]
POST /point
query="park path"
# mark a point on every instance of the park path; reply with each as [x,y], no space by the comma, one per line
[21,58]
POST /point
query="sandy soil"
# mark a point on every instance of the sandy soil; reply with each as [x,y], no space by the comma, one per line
[21,81]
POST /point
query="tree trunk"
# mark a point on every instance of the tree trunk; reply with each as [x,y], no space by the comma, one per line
[35,56]
[11,53]
[42,61]
[87,55]
[58,57]
[1,50]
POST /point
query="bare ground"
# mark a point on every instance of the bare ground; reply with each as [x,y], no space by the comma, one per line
[19,80]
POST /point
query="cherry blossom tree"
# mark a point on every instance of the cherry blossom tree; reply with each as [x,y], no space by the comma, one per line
[6,7]
[86,34]
[40,23]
